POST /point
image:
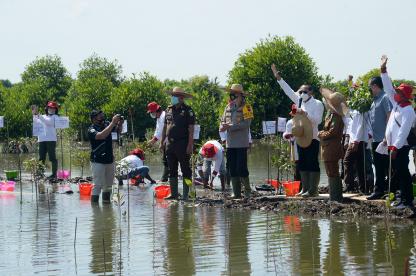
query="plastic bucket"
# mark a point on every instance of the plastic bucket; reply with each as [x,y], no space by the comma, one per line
[85,188]
[291,187]
[11,175]
[7,186]
[63,174]
[162,191]
[274,182]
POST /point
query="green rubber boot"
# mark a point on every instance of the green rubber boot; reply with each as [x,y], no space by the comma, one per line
[236,183]
[106,197]
[247,189]
[185,189]
[173,188]
[94,199]
[313,183]
[335,188]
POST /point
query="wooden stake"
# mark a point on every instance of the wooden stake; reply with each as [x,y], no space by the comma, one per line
[75,236]
[105,269]
[49,207]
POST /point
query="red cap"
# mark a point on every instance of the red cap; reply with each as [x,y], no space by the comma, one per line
[209,150]
[405,89]
[293,110]
[52,105]
[138,152]
[152,107]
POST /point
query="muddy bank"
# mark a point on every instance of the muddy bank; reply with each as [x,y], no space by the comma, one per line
[319,207]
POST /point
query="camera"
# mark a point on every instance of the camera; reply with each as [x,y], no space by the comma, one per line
[122,118]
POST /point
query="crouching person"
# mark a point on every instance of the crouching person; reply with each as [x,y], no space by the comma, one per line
[212,151]
[132,166]
[331,136]
[102,158]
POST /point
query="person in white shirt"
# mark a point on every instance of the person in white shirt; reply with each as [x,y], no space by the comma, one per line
[308,157]
[399,125]
[359,132]
[132,166]
[212,151]
[287,135]
[157,113]
[47,139]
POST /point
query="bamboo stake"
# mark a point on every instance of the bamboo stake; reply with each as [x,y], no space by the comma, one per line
[20,179]
[75,236]
[49,207]
[105,269]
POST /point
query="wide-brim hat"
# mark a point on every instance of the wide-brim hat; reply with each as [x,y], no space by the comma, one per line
[302,130]
[237,89]
[335,100]
[209,150]
[52,104]
[293,110]
[179,92]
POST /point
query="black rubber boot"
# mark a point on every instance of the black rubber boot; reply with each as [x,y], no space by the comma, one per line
[236,183]
[185,190]
[222,179]
[335,189]
[106,197]
[165,174]
[95,198]
[173,189]
[247,187]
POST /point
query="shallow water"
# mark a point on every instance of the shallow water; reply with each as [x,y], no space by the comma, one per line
[158,238]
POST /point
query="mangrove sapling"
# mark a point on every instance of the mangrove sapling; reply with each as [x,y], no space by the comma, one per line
[37,171]
[82,159]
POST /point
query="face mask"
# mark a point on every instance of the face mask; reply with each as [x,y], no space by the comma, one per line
[233,97]
[153,115]
[397,98]
[51,111]
[174,100]
[305,97]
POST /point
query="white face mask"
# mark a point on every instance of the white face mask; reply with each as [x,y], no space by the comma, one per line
[51,111]
[153,115]
[305,97]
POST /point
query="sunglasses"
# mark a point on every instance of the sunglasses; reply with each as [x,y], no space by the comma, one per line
[303,92]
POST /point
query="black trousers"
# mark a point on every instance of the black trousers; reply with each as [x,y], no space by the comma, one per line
[49,148]
[308,157]
[176,154]
[381,164]
[402,175]
[237,162]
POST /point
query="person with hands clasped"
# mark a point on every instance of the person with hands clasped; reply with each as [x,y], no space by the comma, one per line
[398,128]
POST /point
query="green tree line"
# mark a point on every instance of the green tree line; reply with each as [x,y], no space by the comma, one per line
[100,84]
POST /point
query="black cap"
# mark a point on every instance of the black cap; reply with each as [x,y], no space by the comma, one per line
[94,113]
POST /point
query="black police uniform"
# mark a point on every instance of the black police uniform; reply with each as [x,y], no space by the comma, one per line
[177,121]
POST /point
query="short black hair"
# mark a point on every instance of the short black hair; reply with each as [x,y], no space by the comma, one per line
[376,81]
[95,113]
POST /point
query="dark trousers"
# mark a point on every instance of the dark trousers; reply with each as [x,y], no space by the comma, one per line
[381,164]
[308,157]
[176,154]
[354,159]
[49,148]
[332,168]
[237,162]
[402,175]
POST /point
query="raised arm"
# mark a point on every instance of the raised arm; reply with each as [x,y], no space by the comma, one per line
[387,84]
[286,88]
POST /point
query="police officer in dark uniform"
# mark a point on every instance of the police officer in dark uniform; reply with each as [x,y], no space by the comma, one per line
[178,137]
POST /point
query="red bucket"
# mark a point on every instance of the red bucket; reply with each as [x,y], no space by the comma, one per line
[162,191]
[85,188]
[274,183]
[291,187]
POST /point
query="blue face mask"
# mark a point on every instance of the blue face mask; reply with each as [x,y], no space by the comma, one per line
[174,100]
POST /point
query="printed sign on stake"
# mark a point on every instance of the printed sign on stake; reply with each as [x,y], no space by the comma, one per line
[281,124]
[197,130]
[61,122]
[269,127]
[1,121]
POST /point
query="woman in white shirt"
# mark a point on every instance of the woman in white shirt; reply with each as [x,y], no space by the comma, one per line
[132,166]
[47,138]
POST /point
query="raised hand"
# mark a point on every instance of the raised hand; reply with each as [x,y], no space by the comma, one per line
[275,72]
[384,60]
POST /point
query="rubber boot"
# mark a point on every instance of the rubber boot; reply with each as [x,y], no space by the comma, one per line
[335,189]
[95,198]
[106,197]
[236,183]
[305,183]
[314,178]
[222,179]
[173,189]
[185,190]
[54,168]
[247,189]
[165,174]
[120,181]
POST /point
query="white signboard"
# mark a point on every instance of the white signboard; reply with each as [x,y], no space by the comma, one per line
[37,127]
[114,136]
[223,135]
[61,122]
[1,121]
[269,127]
[124,129]
[197,130]
[281,124]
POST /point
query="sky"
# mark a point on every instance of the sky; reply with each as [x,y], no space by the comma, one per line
[177,39]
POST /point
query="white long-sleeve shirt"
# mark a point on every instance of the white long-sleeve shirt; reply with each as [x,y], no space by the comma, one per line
[313,107]
[49,133]
[292,140]
[397,135]
[356,129]
[218,157]
[129,163]
[160,124]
